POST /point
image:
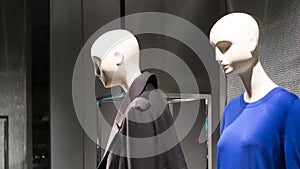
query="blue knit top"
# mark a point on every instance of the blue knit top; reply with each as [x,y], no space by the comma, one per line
[261,135]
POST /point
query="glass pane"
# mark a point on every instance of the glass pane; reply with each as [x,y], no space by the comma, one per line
[3,142]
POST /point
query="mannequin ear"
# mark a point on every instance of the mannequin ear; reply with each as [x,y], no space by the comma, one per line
[252,44]
[119,56]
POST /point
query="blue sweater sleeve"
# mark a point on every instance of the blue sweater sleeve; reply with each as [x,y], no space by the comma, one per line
[291,136]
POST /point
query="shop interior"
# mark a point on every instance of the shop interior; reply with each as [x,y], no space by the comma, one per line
[40,41]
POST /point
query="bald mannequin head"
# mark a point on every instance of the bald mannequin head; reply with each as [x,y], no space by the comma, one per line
[115,55]
[235,38]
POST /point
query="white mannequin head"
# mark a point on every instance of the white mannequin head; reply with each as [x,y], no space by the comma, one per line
[235,38]
[115,55]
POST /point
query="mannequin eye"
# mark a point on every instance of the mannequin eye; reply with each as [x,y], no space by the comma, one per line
[223,46]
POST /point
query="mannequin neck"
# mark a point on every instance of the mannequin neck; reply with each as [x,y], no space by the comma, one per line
[256,83]
[129,77]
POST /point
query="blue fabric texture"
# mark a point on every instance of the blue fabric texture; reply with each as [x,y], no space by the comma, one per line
[261,135]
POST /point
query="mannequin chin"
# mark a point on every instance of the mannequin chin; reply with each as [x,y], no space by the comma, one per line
[115,55]
[235,39]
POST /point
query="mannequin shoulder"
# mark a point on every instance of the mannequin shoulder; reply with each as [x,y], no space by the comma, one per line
[284,100]
[233,102]
[285,96]
[148,99]
[141,104]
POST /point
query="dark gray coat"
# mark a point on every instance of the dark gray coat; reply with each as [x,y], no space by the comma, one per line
[135,141]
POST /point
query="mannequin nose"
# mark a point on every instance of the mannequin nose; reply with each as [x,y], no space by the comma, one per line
[218,55]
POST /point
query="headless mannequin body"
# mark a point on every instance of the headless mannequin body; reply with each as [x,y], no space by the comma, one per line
[118,65]
[236,49]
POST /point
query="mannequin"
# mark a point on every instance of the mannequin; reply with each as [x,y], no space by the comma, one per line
[143,113]
[260,127]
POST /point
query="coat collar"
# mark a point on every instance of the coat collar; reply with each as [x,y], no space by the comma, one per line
[140,83]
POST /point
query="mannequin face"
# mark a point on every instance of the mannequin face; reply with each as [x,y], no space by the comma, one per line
[235,38]
[107,68]
[233,55]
